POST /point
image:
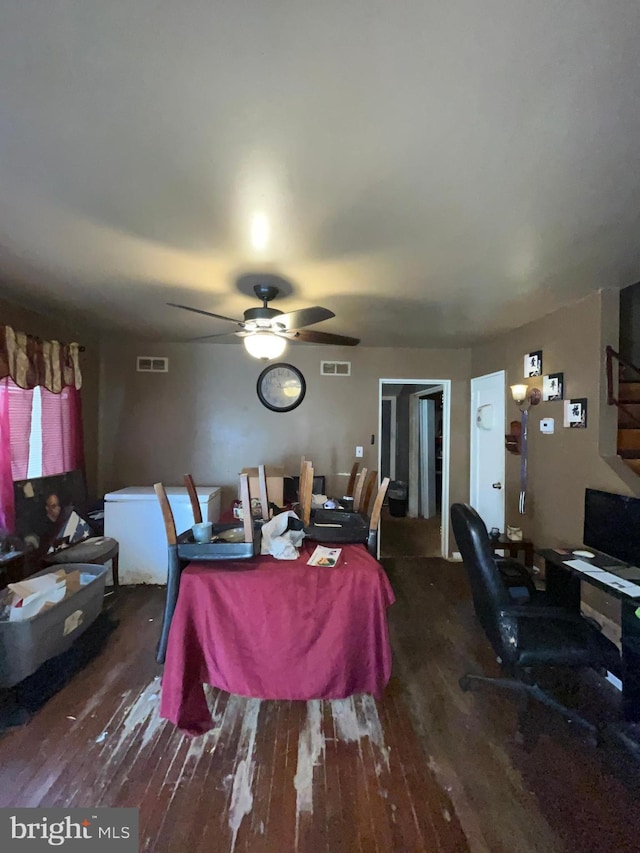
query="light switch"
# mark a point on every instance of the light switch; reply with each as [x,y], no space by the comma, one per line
[359,451]
[547,425]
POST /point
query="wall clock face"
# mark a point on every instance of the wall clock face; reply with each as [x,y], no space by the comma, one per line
[281,387]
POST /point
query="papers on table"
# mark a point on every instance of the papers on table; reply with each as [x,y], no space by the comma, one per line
[622,585]
[325,556]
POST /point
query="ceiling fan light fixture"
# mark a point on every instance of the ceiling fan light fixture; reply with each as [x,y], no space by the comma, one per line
[264,345]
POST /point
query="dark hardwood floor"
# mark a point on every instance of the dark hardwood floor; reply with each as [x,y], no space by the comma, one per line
[345,775]
[409,537]
[562,793]
[428,768]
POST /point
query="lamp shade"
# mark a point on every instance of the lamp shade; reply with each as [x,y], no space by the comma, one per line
[519,393]
[265,345]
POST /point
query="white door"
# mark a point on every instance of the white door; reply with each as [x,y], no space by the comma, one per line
[487,448]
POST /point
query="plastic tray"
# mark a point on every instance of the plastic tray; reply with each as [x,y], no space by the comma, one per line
[354,527]
[189,549]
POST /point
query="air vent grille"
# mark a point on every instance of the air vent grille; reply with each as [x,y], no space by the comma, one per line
[335,368]
[151,364]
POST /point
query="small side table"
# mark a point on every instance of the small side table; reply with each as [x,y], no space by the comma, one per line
[513,546]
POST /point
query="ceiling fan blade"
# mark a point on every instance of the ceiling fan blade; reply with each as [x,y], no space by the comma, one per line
[206,337]
[303,317]
[206,313]
[309,336]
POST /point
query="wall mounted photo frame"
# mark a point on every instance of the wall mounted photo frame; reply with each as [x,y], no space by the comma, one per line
[553,387]
[575,413]
[533,364]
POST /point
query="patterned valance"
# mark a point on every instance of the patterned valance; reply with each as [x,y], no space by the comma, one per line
[30,361]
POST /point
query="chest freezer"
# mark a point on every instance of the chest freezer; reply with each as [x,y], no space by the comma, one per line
[133,517]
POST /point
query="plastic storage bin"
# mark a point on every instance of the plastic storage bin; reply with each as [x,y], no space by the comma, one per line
[397,495]
[26,645]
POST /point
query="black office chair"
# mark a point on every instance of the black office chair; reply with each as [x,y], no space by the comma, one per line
[534,635]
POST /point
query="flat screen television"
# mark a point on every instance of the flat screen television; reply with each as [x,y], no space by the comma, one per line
[612,525]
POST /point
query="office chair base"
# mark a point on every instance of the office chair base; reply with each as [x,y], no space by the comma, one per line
[527,692]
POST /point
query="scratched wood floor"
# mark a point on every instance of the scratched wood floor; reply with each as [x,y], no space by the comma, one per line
[271,776]
[560,793]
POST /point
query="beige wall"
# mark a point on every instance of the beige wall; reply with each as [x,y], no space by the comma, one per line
[204,416]
[49,327]
[563,464]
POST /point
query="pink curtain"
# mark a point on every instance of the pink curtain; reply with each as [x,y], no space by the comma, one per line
[7,511]
[62,438]
[53,461]
[20,405]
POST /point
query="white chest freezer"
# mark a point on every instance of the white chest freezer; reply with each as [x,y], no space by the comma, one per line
[133,517]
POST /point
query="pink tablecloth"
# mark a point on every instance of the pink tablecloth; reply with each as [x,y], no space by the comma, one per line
[275,629]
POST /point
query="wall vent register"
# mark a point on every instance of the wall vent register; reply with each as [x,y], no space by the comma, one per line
[148,364]
[335,368]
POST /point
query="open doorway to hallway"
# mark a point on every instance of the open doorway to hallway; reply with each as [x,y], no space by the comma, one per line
[413,452]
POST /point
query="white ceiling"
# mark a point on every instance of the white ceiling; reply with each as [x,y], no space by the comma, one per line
[432,171]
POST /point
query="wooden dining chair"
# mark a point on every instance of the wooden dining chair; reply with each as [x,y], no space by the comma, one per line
[367,491]
[175,565]
[193,497]
[173,570]
[306,488]
[374,519]
[357,494]
[352,480]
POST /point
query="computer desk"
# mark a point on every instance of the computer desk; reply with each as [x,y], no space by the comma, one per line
[563,585]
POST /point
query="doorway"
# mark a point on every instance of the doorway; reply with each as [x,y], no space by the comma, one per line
[414,430]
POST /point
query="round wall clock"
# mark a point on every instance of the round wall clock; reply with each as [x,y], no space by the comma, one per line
[281,387]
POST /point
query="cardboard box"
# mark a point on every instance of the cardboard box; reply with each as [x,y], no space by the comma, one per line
[275,484]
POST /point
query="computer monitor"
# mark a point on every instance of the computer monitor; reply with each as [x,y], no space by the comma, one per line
[612,525]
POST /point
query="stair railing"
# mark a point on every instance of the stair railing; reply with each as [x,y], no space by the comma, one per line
[612,400]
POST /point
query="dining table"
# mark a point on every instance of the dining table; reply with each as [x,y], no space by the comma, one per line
[276,629]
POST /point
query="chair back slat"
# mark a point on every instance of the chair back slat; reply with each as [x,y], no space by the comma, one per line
[247,517]
[357,495]
[193,497]
[167,514]
[264,495]
[352,480]
[306,488]
[369,486]
[374,520]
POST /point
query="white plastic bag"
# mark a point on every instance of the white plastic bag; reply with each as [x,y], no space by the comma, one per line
[281,543]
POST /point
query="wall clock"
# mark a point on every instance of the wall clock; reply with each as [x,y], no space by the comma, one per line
[281,387]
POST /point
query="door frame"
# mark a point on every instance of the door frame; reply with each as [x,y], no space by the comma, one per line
[446,441]
[392,437]
[473,442]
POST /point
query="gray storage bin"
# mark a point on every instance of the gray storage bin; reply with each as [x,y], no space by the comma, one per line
[24,646]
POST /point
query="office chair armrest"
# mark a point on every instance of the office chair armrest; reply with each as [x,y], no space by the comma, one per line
[543,612]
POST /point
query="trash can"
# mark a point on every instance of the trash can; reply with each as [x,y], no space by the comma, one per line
[397,494]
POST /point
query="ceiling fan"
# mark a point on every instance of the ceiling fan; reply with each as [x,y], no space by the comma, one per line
[265,331]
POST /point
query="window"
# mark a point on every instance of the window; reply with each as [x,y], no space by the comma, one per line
[43,428]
